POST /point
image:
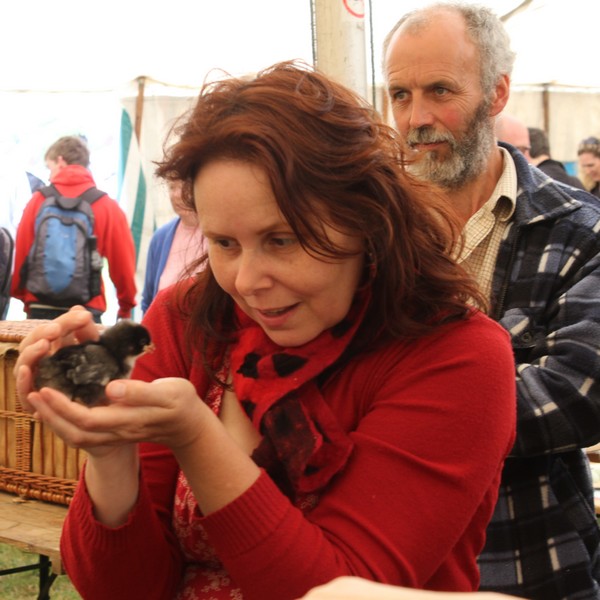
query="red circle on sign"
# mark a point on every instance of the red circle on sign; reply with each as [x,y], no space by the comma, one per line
[357,4]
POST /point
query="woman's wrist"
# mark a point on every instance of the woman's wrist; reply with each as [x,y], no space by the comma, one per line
[112,481]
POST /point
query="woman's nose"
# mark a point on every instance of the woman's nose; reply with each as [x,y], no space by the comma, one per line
[253,273]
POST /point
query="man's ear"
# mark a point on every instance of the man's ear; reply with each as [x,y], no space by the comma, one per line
[61,162]
[500,96]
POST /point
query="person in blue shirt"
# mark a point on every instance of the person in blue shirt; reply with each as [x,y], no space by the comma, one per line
[174,247]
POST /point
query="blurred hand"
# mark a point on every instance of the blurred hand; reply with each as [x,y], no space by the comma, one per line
[355,588]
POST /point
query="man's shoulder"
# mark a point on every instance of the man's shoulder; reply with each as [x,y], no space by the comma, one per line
[543,198]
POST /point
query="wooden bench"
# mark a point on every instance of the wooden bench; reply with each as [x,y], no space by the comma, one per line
[35,527]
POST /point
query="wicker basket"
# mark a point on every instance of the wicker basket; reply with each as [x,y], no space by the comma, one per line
[34,463]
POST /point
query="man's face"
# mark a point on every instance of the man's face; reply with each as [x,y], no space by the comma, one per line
[437,102]
[54,167]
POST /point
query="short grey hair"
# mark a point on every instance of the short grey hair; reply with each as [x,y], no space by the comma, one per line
[485,29]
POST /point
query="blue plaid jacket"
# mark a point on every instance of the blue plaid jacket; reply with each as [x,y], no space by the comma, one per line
[543,542]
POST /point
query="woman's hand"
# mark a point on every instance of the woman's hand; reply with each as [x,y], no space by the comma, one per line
[163,411]
[167,411]
[355,588]
[73,327]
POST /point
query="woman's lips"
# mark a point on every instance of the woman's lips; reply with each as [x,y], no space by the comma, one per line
[274,317]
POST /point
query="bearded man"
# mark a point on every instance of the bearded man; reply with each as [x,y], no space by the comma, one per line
[533,246]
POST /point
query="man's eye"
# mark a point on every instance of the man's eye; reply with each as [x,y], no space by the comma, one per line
[399,95]
[440,91]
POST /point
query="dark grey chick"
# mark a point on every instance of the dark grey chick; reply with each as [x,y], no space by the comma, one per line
[82,371]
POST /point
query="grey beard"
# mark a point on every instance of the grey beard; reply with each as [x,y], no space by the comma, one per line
[467,159]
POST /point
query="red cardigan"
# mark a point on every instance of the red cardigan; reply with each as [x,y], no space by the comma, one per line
[432,422]
[115,241]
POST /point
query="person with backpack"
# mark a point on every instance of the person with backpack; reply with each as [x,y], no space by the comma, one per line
[66,231]
[7,245]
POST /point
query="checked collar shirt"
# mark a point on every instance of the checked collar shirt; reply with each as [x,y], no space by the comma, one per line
[543,542]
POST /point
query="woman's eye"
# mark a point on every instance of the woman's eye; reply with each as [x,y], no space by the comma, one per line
[223,243]
[283,241]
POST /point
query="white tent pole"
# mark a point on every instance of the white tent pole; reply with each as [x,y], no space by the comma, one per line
[515,11]
[139,108]
[339,41]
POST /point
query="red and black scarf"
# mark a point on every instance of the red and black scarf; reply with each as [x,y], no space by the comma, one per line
[277,387]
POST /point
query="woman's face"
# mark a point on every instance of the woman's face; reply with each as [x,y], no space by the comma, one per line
[259,262]
[590,165]
[187,216]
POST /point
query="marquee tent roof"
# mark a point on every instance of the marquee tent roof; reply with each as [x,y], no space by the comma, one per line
[89,46]
[93,53]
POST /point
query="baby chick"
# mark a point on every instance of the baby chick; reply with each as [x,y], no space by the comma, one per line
[82,371]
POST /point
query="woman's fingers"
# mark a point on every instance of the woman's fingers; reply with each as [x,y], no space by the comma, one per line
[49,332]
[97,430]
[73,327]
[24,368]
[166,411]
[136,412]
[161,392]
[77,320]
[24,385]
[76,326]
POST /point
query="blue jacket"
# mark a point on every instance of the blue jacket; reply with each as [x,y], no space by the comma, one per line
[158,252]
[543,541]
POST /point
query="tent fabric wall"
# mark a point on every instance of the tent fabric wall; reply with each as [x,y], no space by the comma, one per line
[572,116]
[149,208]
[160,115]
[555,42]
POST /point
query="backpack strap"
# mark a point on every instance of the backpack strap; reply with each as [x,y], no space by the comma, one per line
[90,195]
[48,190]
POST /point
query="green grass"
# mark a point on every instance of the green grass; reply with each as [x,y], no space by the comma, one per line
[25,586]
